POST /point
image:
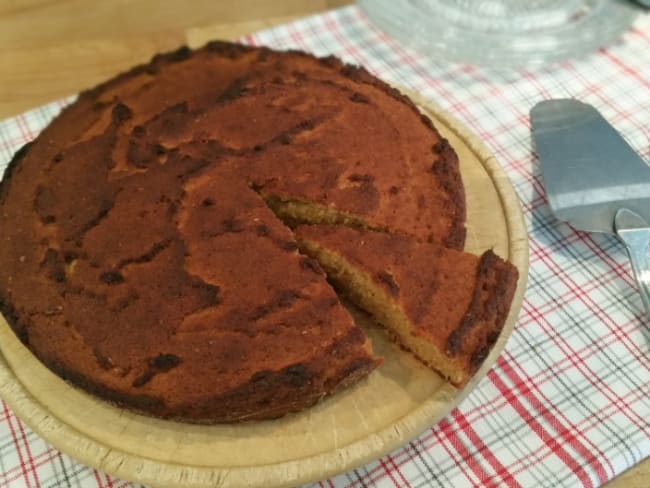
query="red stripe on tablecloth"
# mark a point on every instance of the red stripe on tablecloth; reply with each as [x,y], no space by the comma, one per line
[295,34]
[520,116]
[565,363]
[390,471]
[496,90]
[397,459]
[24,129]
[98,479]
[576,440]
[615,272]
[12,144]
[355,49]
[349,47]
[467,459]
[566,279]
[432,437]
[363,43]
[461,464]
[533,79]
[581,294]
[570,355]
[110,481]
[537,186]
[640,33]
[378,472]
[524,464]
[615,269]
[518,465]
[587,423]
[489,456]
[619,270]
[483,410]
[535,425]
[42,459]
[404,456]
[10,422]
[28,450]
[630,397]
[607,52]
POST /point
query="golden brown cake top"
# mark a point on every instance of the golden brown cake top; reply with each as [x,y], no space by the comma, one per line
[139,260]
[296,125]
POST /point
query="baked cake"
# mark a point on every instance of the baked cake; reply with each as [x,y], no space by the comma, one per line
[445,306]
[147,252]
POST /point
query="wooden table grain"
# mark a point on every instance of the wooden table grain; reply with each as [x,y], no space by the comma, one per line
[50,49]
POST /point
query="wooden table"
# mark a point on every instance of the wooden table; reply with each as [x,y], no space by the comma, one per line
[53,48]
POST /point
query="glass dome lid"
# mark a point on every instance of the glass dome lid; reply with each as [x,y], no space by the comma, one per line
[502,33]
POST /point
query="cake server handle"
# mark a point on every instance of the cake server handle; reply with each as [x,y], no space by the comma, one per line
[634,231]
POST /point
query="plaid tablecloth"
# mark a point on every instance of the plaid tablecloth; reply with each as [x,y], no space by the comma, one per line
[568,401]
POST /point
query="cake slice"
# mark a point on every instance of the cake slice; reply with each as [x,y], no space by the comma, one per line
[445,306]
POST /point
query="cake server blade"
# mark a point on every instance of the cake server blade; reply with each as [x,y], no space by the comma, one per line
[593,179]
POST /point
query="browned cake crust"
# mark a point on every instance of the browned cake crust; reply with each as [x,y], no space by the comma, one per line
[139,258]
[455,301]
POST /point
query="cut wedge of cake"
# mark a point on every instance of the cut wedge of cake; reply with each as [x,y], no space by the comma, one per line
[446,306]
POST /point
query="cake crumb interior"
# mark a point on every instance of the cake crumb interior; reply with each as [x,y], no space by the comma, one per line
[293,211]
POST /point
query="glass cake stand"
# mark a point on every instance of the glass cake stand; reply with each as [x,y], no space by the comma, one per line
[502,33]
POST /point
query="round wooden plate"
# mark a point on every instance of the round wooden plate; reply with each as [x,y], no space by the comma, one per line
[395,403]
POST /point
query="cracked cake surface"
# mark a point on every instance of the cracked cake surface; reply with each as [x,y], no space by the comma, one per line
[143,256]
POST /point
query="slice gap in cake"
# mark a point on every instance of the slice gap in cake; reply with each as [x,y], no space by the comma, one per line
[445,306]
[294,211]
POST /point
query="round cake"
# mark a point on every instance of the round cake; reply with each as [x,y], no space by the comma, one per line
[147,252]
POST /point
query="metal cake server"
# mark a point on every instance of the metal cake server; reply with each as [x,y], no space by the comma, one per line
[594,180]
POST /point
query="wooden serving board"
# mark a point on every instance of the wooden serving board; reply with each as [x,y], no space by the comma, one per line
[395,403]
